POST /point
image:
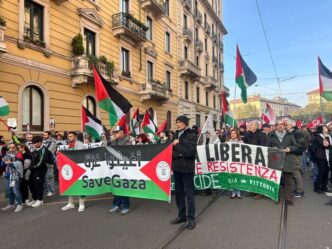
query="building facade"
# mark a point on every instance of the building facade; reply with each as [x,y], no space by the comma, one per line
[256,105]
[45,78]
[314,98]
[200,51]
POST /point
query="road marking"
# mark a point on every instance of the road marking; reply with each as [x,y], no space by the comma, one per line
[87,200]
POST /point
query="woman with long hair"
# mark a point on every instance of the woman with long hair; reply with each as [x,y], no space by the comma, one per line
[26,178]
[234,137]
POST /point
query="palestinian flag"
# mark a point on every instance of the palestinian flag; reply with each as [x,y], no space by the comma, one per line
[147,125]
[244,77]
[123,123]
[146,175]
[268,115]
[109,99]
[325,81]
[134,123]
[91,124]
[226,110]
[162,127]
[4,107]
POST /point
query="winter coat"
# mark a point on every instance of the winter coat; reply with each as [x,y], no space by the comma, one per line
[183,158]
[40,158]
[256,138]
[122,141]
[299,138]
[289,162]
[319,148]
[14,170]
[307,139]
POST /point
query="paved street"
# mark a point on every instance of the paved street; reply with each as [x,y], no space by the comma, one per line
[231,224]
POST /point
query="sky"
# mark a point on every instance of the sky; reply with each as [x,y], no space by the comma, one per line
[297,31]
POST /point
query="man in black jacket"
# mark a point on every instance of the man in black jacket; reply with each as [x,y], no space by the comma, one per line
[183,165]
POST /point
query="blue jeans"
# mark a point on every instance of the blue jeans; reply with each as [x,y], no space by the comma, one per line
[121,201]
[304,161]
[14,193]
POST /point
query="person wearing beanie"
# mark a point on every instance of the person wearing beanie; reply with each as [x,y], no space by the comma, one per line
[183,165]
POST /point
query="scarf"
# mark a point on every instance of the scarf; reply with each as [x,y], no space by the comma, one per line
[281,135]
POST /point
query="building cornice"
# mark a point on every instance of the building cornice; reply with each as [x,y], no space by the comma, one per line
[215,17]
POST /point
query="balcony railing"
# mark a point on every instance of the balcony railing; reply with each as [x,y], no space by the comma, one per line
[188,68]
[187,4]
[210,82]
[157,7]
[221,66]
[154,90]
[215,61]
[214,37]
[187,34]
[82,70]
[3,46]
[207,28]
[221,45]
[125,24]
[198,16]
[199,46]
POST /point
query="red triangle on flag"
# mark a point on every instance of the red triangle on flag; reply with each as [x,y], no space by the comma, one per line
[69,172]
[159,169]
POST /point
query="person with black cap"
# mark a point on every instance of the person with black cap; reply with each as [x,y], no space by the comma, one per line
[266,129]
[183,165]
[120,203]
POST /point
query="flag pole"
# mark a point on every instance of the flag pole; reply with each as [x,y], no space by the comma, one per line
[234,104]
[322,108]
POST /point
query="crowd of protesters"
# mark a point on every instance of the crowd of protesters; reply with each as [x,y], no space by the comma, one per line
[29,164]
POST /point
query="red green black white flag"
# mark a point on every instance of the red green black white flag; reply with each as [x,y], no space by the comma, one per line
[91,124]
[325,81]
[244,76]
[109,99]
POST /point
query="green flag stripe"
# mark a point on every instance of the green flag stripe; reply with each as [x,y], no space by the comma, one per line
[92,132]
[107,105]
[4,110]
[242,85]
[327,95]
[152,191]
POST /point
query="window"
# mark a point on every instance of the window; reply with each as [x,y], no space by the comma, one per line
[169,120]
[207,98]
[168,42]
[197,95]
[125,6]
[125,62]
[196,8]
[212,28]
[33,21]
[150,71]
[185,22]
[186,90]
[185,52]
[90,104]
[33,109]
[197,60]
[90,42]
[213,51]
[214,73]
[149,24]
[206,69]
[167,7]
[196,34]
[198,120]
[168,80]
[205,44]
[205,20]
[214,101]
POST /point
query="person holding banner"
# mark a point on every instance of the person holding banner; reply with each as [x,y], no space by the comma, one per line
[183,165]
[120,202]
[282,139]
[74,144]
[235,138]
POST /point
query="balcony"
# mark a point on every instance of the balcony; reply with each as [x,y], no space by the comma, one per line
[225,89]
[189,69]
[187,4]
[221,45]
[157,7]
[153,90]
[210,82]
[221,67]
[124,24]
[60,1]
[215,61]
[187,35]
[3,46]
[82,70]
[207,56]
[214,37]
[199,46]
[207,28]
[198,16]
